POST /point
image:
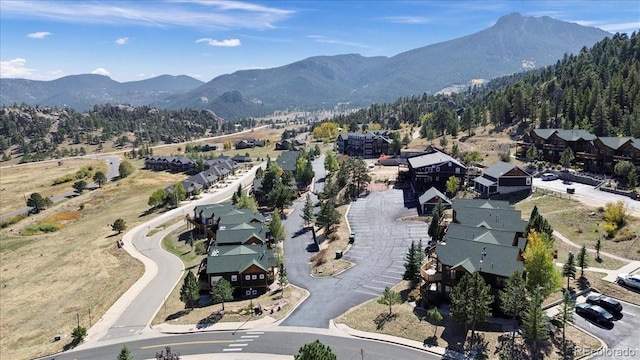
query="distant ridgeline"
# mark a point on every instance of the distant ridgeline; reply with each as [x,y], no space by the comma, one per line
[597,90]
[36,133]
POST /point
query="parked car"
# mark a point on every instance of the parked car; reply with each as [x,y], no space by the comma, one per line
[610,304]
[594,313]
[631,280]
[548,177]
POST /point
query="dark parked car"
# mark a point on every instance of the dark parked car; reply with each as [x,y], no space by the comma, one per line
[611,305]
[595,313]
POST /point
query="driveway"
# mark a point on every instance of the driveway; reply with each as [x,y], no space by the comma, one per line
[378,253]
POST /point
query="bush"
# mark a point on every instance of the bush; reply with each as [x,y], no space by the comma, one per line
[414,295]
[318,259]
[610,228]
[62,180]
[201,248]
[40,228]
[12,220]
[615,213]
[333,237]
[625,234]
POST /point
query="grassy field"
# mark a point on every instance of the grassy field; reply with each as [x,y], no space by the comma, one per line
[582,225]
[410,322]
[47,279]
[20,181]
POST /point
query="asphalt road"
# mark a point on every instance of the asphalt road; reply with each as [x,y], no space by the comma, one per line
[623,342]
[113,163]
[378,253]
[588,193]
[266,342]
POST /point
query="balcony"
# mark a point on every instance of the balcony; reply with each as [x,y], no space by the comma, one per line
[429,273]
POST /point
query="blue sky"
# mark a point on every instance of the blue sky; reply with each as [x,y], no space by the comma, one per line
[135,40]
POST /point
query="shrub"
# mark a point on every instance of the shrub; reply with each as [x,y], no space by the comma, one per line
[610,228]
[38,228]
[333,237]
[625,234]
[319,258]
[615,213]
[12,220]
[201,248]
[62,180]
[414,295]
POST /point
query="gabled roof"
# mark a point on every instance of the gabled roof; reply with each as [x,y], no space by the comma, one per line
[288,159]
[229,214]
[433,158]
[615,142]
[460,204]
[500,168]
[433,193]
[544,133]
[235,259]
[239,236]
[486,235]
[484,214]
[575,135]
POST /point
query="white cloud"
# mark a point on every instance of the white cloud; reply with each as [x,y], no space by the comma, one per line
[39,35]
[15,68]
[100,71]
[56,73]
[199,14]
[326,40]
[412,20]
[122,41]
[223,43]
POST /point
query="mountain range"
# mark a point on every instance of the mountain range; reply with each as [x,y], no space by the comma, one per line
[515,43]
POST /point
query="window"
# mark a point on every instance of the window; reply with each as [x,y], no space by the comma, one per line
[528,181]
[247,293]
[247,277]
[438,168]
[457,170]
[234,278]
[254,292]
[261,276]
[253,277]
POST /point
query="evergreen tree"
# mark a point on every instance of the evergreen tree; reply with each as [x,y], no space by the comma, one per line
[222,291]
[435,317]
[513,302]
[565,316]
[569,268]
[282,277]
[80,186]
[125,169]
[330,162]
[412,266]
[583,260]
[190,291]
[538,223]
[125,354]
[37,202]
[328,216]
[390,298]
[532,153]
[330,190]
[315,351]
[534,324]
[567,157]
[78,334]
[281,195]
[307,210]
[119,225]
[435,230]
[598,247]
[247,202]
[471,301]
[276,227]
[100,178]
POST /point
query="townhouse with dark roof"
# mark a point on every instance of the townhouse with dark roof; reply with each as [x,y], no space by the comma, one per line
[365,145]
[486,236]
[430,199]
[433,170]
[592,153]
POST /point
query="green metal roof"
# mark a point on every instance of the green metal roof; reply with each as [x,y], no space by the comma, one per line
[239,236]
[500,219]
[236,259]
[499,260]
[288,160]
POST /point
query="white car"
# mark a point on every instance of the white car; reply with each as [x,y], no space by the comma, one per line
[548,177]
[630,280]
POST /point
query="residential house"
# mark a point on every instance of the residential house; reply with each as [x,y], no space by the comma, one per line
[433,170]
[486,236]
[240,249]
[288,160]
[502,178]
[249,143]
[289,144]
[365,145]
[430,198]
[241,158]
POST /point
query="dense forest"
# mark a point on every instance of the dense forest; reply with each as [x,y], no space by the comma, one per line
[38,133]
[596,90]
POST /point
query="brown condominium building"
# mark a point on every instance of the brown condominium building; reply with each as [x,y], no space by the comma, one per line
[592,153]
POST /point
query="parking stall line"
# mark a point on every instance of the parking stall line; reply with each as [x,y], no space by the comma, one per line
[383,282]
[366,292]
[372,287]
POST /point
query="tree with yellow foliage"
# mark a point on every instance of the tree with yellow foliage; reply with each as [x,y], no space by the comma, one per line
[326,130]
[542,275]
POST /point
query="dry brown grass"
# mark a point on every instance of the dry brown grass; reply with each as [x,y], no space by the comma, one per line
[47,279]
[18,182]
[582,225]
[411,323]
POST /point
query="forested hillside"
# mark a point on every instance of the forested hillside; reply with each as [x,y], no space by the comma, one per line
[38,133]
[597,90]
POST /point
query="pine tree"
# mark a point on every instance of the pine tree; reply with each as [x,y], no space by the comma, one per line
[307,210]
[411,266]
[569,268]
[282,277]
[390,298]
[565,316]
[315,351]
[512,301]
[534,324]
[435,230]
[119,225]
[598,247]
[471,301]
[583,260]
[125,354]
[328,216]
[276,227]
[190,291]
[221,292]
